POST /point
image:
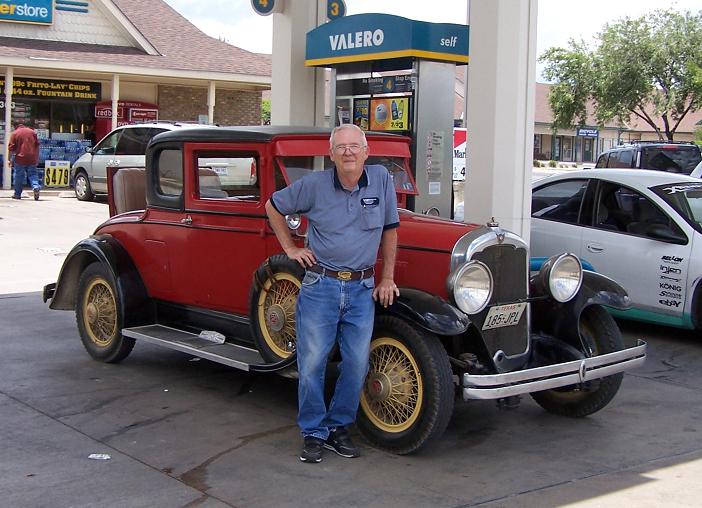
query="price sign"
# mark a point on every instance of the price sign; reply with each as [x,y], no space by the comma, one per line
[56,173]
[267,7]
[335,9]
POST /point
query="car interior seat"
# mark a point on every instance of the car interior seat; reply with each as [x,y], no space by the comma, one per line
[647,214]
[210,185]
[129,189]
[603,220]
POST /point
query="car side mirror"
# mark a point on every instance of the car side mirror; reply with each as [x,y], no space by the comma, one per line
[665,233]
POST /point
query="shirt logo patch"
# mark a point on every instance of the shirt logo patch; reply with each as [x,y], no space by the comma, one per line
[368,202]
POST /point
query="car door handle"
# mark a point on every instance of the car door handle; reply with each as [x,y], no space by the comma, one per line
[594,247]
[187,220]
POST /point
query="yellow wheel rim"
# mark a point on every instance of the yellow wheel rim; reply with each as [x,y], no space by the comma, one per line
[393,393]
[276,313]
[100,313]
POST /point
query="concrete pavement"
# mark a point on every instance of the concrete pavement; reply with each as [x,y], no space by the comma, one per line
[186,432]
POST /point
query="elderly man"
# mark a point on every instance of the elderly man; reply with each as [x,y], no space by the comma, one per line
[352,211]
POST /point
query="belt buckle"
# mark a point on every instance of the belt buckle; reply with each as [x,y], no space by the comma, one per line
[344,275]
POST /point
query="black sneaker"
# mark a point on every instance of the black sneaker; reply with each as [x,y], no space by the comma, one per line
[312,450]
[36,194]
[16,197]
[339,441]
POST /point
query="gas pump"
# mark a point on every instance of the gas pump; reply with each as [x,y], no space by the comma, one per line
[393,74]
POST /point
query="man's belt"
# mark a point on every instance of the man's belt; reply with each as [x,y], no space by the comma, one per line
[343,275]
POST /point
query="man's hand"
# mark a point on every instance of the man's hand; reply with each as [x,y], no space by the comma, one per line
[385,292]
[302,255]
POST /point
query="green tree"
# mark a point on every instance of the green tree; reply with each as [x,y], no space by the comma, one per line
[265,111]
[648,67]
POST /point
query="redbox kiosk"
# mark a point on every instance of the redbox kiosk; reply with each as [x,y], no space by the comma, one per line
[128,112]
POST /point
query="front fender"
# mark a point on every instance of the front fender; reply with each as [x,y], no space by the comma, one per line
[104,249]
[429,312]
[561,319]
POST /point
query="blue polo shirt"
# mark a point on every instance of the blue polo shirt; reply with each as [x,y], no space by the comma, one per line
[345,227]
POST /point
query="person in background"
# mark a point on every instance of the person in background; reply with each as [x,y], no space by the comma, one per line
[352,211]
[24,156]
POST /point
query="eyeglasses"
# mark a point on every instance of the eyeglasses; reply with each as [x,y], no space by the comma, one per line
[354,149]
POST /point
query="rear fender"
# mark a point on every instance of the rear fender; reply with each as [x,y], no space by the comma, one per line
[104,249]
[428,312]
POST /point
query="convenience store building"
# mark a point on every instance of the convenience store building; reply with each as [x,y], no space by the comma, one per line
[79,68]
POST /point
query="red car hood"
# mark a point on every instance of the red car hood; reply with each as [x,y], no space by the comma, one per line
[434,233]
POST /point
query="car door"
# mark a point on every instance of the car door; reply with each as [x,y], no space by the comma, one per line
[227,223]
[620,244]
[556,209]
[102,155]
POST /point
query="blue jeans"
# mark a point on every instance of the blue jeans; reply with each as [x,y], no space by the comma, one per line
[330,310]
[21,173]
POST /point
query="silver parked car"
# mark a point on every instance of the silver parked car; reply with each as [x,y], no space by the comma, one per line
[123,147]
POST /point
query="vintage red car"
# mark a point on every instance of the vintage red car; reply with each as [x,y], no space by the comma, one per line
[188,257]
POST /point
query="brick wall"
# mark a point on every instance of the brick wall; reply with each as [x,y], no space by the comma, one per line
[232,107]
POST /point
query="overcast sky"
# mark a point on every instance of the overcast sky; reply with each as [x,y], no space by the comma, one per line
[558,20]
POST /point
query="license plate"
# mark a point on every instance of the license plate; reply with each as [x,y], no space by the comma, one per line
[504,315]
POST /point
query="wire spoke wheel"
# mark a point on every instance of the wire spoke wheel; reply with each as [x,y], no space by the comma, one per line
[272,304]
[276,313]
[407,399]
[599,335]
[392,396]
[100,313]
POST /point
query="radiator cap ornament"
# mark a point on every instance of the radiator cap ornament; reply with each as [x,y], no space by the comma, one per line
[495,226]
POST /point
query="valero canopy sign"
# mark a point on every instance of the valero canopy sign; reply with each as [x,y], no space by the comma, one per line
[364,37]
[27,11]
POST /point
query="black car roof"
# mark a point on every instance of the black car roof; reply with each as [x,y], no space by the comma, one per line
[247,133]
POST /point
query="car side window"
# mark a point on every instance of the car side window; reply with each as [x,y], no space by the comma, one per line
[133,142]
[107,146]
[602,161]
[228,175]
[560,201]
[169,166]
[622,209]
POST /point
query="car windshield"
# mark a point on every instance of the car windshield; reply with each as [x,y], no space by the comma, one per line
[686,198]
[672,158]
[298,166]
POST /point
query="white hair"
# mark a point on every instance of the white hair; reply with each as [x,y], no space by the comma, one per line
[347,126]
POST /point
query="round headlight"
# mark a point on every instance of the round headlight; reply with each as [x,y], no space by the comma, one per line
[565,277]
[472,287]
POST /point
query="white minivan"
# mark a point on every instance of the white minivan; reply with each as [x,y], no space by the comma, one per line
[123,147]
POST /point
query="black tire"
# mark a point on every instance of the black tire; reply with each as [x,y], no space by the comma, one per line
[600,332]
[272,307]
[99,315]
[697,307]
[407,400]
[81,186]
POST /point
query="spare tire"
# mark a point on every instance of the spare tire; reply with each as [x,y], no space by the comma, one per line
[272,305]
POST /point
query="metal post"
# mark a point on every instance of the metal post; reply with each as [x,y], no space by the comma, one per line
[6,168]
[115,99]
[211,103]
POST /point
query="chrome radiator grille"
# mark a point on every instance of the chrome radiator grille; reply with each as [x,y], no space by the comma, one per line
[509,265]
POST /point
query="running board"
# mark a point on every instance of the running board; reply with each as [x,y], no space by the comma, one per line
[229,354]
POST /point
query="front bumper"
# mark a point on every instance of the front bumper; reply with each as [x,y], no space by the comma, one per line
[496,386]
